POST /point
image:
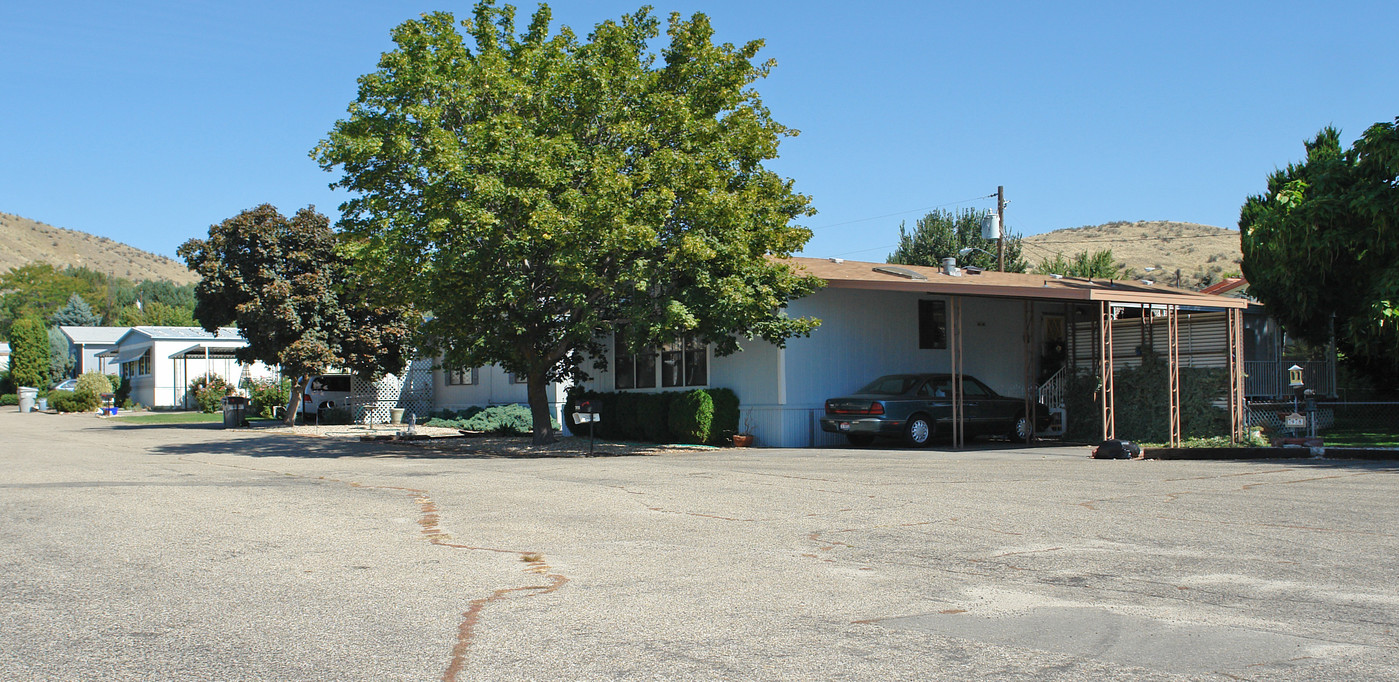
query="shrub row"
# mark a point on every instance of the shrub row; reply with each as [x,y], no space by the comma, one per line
[698,416]
[507,420]
[9,399]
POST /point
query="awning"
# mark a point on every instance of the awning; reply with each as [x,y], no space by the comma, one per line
[123,357]
[201,351]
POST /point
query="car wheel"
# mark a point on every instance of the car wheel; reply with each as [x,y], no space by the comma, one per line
[918,431]
[1020,430]
[859,440]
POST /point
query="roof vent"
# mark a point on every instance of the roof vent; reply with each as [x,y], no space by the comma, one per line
[837,261]
[973,270]
[900,272]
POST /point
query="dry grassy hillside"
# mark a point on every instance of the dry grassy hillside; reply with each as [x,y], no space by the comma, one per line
[1203,254]
[25,241]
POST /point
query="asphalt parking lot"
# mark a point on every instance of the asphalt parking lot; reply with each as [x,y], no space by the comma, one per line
[146,553]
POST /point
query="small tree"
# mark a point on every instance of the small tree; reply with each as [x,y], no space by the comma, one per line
[29,353]
[943,234]
[61,360]
[290,289]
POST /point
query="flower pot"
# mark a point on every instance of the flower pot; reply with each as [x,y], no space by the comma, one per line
[742,440]
[396,415]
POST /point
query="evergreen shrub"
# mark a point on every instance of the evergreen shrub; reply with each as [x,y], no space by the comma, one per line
[725,423]
[9,399]
[691,414]
[93,384]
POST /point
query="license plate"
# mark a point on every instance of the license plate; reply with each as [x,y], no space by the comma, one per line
[844,426]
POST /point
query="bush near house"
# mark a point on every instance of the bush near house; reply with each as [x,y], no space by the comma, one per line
[268,396]
[506,420]
[668,417]
[1142,403]
[72,401]
[91,385]
[9,399]
[121,390]
[209,392]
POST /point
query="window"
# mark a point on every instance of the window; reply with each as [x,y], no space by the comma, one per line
[519,378]
[683,362]
[461,377]
[932,325]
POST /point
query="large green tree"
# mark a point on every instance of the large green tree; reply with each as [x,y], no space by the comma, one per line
[943,234]
[290,288]
[1324,240]
[538,192]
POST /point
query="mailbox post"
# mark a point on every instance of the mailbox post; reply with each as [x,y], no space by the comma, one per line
[1294,380]
[588,411]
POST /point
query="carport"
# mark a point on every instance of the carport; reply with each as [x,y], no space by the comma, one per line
[1089,310]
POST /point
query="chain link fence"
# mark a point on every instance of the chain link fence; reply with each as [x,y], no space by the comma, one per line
[1356,424]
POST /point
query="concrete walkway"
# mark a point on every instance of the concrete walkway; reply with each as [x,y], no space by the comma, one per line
[157,553]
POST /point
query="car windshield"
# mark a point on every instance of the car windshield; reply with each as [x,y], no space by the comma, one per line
[340,383]
[894,384]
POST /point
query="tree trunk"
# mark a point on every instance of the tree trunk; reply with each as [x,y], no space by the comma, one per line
[297,388]
[538,391]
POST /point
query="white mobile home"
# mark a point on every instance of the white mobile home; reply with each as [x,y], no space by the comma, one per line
[1007,329]
[160,362]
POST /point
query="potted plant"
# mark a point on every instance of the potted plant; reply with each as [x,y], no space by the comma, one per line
[744,438]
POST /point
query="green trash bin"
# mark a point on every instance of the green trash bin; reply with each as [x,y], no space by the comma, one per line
[235,410]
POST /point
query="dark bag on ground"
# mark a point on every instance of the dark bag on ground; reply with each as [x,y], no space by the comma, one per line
[1117,449]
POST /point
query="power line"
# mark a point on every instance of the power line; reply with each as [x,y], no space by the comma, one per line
[890,215]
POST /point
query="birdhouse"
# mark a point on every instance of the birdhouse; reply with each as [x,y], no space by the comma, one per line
[1294,376]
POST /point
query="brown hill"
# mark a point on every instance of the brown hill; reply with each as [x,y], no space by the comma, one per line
[25,241]
[1202,253]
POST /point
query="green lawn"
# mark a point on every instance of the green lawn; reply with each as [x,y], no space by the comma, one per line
[1361,438]
[171,418]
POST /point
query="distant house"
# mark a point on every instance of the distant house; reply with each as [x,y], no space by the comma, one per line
[1269,352]
[90,343]
[4,356]
[160,362]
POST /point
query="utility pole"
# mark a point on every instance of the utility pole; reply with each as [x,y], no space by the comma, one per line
[1001,238]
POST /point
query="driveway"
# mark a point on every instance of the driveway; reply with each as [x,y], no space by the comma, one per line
[196,553]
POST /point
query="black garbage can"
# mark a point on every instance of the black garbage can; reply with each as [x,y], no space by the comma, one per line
[235,409]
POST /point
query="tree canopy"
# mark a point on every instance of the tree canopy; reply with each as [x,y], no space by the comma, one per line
[943,234]
[41,290]
[289,287]
[1098,264]
[1324,240]
[539,192]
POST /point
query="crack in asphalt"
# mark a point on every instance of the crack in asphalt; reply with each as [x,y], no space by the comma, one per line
[429,520]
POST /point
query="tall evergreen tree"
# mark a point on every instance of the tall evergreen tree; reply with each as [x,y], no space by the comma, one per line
[76,313]
[29,353]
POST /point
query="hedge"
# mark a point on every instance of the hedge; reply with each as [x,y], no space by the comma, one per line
[696,416]
[1141,402]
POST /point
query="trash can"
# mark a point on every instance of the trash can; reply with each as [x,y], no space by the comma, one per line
[235,407]
[27,398]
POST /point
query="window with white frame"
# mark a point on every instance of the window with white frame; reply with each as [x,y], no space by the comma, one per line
[139,367]
[683,362]
[461,377]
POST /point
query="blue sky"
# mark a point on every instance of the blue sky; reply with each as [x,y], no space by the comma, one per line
[148,121]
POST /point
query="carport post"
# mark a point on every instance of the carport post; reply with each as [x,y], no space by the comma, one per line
[1173,369]
[1029,369]
[1105,369]
[954,344]
[1236,375]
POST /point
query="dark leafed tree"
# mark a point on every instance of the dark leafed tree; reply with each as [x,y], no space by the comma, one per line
[943,234]
[538,192]
[1324,240]
[290,289]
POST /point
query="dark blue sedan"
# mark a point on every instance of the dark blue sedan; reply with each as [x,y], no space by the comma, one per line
[918,408]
